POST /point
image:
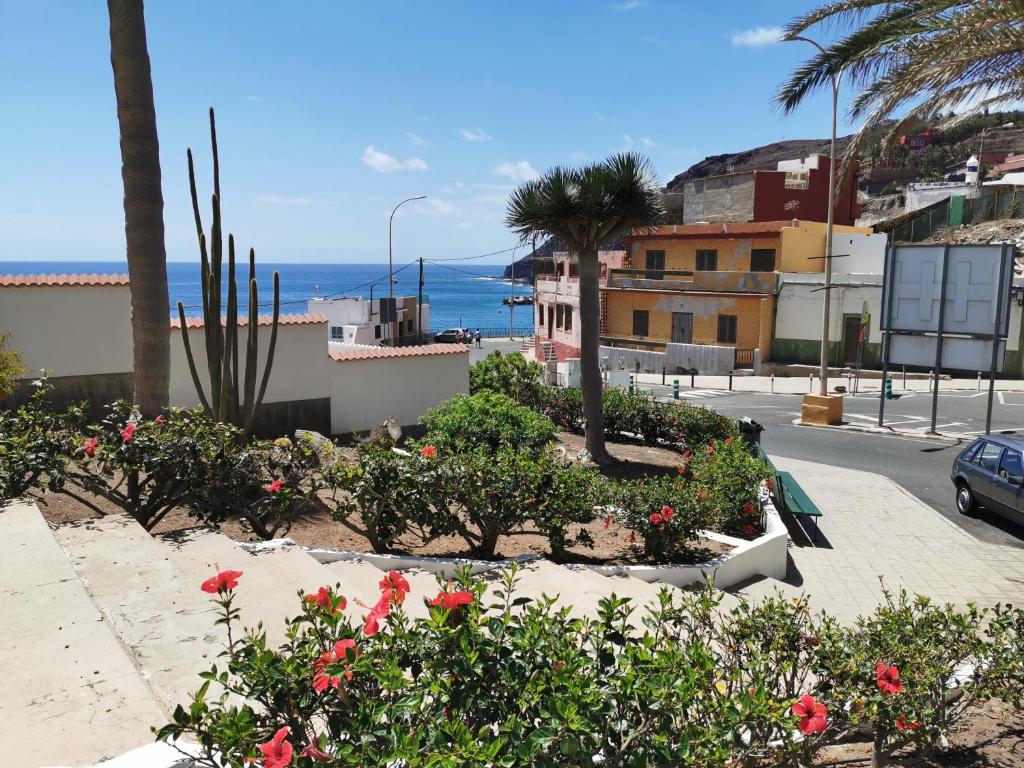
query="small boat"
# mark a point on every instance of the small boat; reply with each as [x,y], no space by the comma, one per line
[517,300]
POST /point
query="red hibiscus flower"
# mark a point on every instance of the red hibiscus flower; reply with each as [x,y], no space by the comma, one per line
[317,754]
[428,451]
[159,419]
[903,725]
[656,519]
[451,601]
[565,423]
[681,470]
[769,484]
[632,537]
[887,678]
[812,713]
[395,587]
[711,448]
[277,753]
[748,508]
[748,529]
[128,433]
[275,486]
[687,454]
[666,512]
[322,599]
[371,625]
[224,581]
[323,680]
[90,446]
[607,522]
[728,439]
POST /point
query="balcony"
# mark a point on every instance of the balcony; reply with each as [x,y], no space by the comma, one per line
[678,280]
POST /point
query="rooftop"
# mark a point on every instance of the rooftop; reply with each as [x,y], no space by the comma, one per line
[10,281]
[308,319]
[347,352]
[729,229]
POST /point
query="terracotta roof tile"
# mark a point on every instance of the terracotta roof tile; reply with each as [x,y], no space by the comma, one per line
[346,352]
[311,319]
[11,281]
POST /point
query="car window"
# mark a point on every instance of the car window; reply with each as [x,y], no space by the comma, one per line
[1011,468]
[988,457]
[971,450]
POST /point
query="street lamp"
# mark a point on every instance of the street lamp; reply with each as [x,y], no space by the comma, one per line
[823,389]
[391,273]
[981,147]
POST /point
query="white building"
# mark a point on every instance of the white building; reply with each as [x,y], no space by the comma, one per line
[355,320]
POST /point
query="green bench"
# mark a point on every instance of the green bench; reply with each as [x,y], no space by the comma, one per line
[788,494]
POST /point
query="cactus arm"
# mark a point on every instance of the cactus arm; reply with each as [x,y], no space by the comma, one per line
[191,361]
[233,294]
[251,354]
[195,196]
[270,350]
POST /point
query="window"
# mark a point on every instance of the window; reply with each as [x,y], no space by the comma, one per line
[376,331]
[727,329]
[797,179]
[568,317]
[988,457]
[641,320]
[968,454]
[540,315]
[408,326]
[574,269]
[654,263]
[707,260]
[1010,468]
[762,260]
[559,313]
[337,333]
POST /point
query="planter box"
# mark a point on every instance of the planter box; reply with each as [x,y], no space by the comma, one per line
[822,409]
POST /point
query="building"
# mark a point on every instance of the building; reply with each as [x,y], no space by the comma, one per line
[919,141]
[710,284]
[795,189]
[557,305]
[355,320]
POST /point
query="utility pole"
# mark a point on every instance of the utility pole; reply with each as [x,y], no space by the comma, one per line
[512,293]
[391,270]
[419,308]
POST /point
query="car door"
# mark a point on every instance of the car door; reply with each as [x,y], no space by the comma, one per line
[983,471]
[1008,486]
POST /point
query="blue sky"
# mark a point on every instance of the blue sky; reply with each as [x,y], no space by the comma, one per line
[331,112]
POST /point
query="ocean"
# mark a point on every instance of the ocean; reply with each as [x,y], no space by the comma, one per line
[460,295]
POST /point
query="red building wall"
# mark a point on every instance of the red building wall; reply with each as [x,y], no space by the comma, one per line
[773,202]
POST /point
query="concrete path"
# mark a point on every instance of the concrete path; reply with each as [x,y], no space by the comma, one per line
[71,694]
[873,528]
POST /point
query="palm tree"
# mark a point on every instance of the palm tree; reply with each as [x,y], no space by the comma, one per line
[143,205]
[585,208]
[927,57]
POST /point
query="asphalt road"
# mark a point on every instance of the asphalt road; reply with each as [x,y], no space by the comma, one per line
[921,465]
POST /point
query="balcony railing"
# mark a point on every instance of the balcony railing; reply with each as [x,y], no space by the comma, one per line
[683,280]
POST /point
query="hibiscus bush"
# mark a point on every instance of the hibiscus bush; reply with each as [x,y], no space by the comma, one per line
[487,420]
[511,375]
[491,679]
[663,512]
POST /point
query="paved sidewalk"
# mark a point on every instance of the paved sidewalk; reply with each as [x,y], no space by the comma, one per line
[873,528]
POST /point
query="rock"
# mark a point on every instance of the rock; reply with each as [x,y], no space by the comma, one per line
[324,447]
[387,434]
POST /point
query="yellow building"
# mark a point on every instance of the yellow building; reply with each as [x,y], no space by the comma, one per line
[708,283]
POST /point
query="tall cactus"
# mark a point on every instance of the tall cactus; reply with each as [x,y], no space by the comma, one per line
[226,402]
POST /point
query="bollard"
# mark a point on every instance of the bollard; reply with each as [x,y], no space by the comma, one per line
[931,373]
[675,389]
[904,378]
[692,376]
[663,375]
[631,383]
[979,381]
[849,383]
[810,383]
[888,388]
[730,381]
[773,384]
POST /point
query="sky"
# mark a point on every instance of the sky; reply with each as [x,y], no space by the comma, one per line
[329,113]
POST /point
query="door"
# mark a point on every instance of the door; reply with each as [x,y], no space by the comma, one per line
[851,338]
[1008,486]
[983,471]
[682,327]
[551,319]
[654,263]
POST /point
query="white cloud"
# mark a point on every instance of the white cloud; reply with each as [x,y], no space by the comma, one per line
[418,141]
[647,142]
[478,136]
[385,163]
[757,37]
[627,142]
[255,99]
[299,200]
[433,206]
[629,5]
[517,171]
[578,157]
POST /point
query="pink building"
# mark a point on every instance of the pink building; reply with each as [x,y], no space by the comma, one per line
[557,304]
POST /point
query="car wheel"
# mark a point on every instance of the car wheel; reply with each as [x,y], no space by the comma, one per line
[965,503]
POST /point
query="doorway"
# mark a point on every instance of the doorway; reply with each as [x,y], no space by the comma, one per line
[851,338]
[682,327]
[551,319]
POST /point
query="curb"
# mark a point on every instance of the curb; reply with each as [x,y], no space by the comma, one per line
[888,431]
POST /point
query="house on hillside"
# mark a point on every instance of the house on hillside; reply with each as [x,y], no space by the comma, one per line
[796,189]
[919,141]
[385,321]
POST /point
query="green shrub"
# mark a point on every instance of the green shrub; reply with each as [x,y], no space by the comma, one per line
[511,375]
[486,420]
[726,480]
[10,366]
[663,511]
[487,679]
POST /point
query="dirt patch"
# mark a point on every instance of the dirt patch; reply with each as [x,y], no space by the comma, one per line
[633,461]
[992,737]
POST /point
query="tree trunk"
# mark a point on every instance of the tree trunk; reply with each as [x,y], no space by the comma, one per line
[590,367]
[143,205]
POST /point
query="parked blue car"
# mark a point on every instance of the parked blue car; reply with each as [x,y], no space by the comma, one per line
[990,472]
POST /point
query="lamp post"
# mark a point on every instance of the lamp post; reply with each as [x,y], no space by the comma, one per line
[823,387]
[390,269]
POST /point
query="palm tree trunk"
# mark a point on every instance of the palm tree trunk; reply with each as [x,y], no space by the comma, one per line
[143,205]
[590,368]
